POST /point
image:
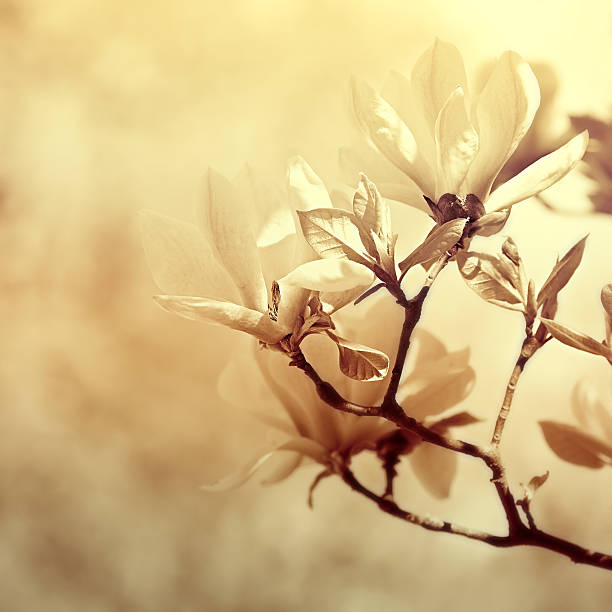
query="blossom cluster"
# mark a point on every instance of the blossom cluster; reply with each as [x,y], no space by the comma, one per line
[282,263]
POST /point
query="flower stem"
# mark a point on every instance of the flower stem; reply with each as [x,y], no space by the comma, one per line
[528,349]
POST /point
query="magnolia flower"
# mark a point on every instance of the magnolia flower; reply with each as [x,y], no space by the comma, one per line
[312,430]
[451,145]
[589,444]
[598,160]
[225,271]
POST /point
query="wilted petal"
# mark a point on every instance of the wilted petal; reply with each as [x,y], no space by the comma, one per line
[435,468]
[435,76]
[504,112]
[456,144]
[329,275]
[231,227]
[224,313]
[180,258]
[540,175]
[389,134]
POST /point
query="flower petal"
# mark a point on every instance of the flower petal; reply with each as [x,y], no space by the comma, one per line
[435,76]
[303,446]
[389,134]
[231,227]
[540,175]
[273,218]
[224,313]
[456,144]
[435,468]
[329,275]
[306,190]
[504,112]
[180,258]
[432,388]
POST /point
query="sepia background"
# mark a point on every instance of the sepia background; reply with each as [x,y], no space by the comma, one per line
[110,417]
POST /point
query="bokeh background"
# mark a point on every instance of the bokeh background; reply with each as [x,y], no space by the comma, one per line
[110,418]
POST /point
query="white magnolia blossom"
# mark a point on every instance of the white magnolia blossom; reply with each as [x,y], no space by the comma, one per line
[309,429]
[590,443]
[223,271]
[441,139]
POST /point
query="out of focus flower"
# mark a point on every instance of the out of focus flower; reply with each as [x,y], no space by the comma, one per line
[225,271]
[598,160]
[311,429]
[449,146]
[589,444]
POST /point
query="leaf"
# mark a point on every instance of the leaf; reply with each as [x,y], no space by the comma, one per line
[487,275]
[440,240]
[575,446]
[329,275]
[537,481]
[372,211]
[490,223]
[360,362]
[333,234]
[224,313]
[577,339]
[559,277]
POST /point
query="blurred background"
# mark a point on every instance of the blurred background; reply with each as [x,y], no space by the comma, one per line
[110,415]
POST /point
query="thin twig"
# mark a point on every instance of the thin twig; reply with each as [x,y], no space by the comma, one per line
[432,524]
[525,537]
[529,347]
